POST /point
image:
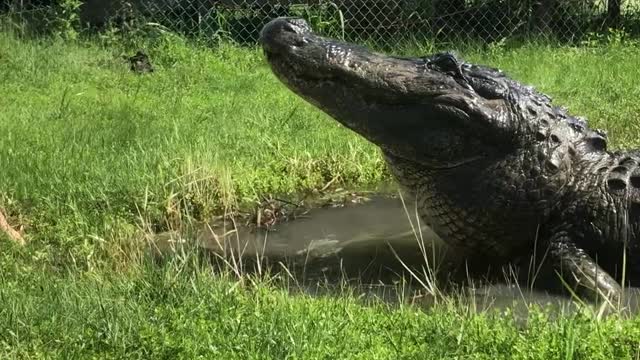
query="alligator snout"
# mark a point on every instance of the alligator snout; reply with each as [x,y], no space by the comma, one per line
[282,32]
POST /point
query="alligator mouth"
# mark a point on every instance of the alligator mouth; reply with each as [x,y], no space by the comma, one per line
[282,40]
[411,107]
[302,59]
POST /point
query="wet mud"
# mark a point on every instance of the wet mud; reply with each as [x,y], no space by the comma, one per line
[381,250]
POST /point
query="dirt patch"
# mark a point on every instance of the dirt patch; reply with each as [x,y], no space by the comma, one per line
[272,211]
[6,228]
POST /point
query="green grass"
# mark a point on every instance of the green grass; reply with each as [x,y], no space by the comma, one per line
[94,157]
[89,144]
[180,311]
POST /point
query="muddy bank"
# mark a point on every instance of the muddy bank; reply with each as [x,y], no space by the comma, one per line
[359,230]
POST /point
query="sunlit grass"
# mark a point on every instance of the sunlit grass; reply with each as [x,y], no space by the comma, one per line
[93,156]
[181,310]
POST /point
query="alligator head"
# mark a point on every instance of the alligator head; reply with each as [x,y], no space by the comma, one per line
[436,111]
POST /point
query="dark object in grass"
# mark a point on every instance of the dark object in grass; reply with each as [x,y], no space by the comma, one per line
[501,174]
[140,63]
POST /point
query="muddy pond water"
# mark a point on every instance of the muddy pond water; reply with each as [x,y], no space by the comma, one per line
[371,245]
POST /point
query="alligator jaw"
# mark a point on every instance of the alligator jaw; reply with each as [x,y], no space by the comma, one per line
[405,106]
[299,57]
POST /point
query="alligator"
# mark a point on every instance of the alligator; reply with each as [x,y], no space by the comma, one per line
[497,171]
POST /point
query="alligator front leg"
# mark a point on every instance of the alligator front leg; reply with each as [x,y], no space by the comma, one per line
[581,272]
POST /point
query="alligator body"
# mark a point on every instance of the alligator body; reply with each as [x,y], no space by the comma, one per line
[497,170]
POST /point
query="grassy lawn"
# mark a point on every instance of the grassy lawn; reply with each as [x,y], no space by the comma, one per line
[182,311]
[94,157]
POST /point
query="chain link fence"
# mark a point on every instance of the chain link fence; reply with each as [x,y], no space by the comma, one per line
[383,22]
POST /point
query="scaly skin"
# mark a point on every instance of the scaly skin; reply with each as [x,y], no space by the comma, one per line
[495,167]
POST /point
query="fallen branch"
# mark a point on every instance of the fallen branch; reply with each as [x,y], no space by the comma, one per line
[11,232]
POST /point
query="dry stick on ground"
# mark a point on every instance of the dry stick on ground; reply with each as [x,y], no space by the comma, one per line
[7,229]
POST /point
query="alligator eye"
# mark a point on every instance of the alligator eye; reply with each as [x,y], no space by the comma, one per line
[444,62]
[448,64]
[447,61]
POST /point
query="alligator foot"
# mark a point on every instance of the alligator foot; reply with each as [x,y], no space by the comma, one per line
[581,273]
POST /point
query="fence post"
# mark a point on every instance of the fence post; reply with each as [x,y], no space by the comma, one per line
[613,13]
